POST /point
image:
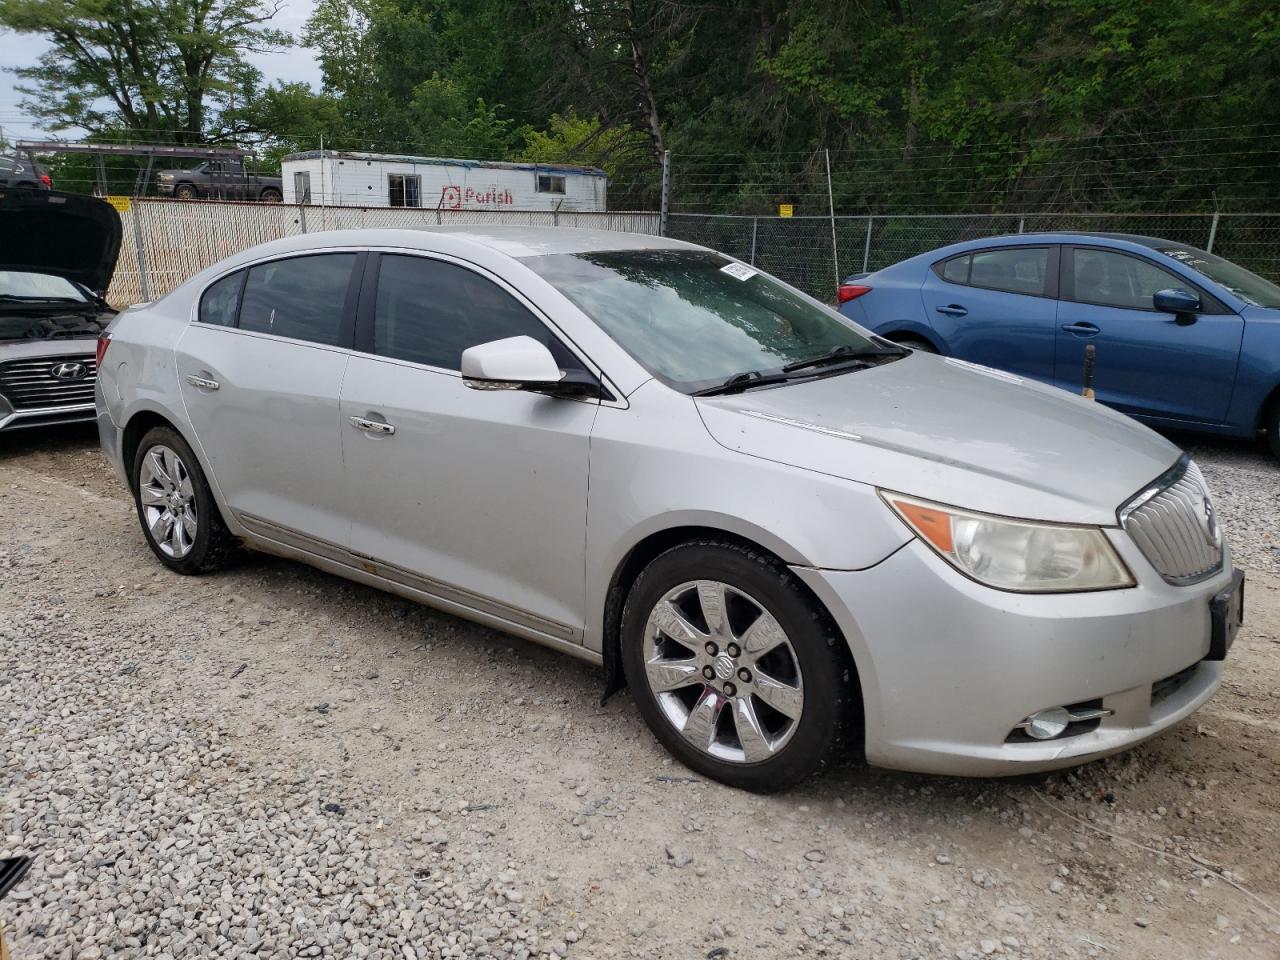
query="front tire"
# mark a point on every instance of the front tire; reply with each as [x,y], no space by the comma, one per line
[179,517]
[735,668]
[270,195]
[1272,425]
[185,191]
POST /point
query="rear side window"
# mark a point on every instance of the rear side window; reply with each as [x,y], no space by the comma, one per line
[303,298]
[956,270]
[429,311]
[1113,279]
[220,301]
[1012,270]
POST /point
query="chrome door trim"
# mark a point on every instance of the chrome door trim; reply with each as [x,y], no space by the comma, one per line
[202,382]
[272,537]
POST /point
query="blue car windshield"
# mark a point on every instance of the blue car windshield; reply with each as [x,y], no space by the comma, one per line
[1246,285]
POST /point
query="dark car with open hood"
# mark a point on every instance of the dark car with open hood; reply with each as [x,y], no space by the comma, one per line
[57,254]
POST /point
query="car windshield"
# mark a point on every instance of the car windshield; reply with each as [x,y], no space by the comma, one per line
[1243,283]
[20,285]
[694,318]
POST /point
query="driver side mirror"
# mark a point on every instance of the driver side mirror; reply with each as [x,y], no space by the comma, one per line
[1183,305]
[522,363]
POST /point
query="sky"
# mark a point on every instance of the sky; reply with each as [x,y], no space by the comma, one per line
[22,50]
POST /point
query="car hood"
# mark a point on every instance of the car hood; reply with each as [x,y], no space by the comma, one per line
[65,234]
[952,432]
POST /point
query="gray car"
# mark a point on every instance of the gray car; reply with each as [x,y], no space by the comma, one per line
[781,532]
[57,254]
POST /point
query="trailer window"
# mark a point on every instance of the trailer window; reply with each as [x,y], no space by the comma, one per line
[404,190]
[302,186]
[550,183]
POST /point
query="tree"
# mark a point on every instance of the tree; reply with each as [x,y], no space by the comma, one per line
[151,67]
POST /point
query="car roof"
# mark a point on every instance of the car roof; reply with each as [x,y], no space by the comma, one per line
[1060,236]
[511,241]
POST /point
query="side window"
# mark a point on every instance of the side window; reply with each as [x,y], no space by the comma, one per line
[1013,270]
[404,190]
[303,298]
[428,311]
[956,270]
[220,300]
[1113,279]
[550,183]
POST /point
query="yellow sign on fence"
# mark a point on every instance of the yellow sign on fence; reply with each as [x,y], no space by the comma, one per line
[786,209]
[122,204]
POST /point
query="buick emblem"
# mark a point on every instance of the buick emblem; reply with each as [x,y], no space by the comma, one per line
[71,370]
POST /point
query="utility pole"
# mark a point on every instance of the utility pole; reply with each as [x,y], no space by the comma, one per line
[666,193]
[831,204]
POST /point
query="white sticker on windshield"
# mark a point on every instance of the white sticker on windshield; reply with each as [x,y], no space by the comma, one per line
[739,270]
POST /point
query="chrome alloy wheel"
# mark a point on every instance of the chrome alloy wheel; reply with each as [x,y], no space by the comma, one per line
[723,671]
[168,501]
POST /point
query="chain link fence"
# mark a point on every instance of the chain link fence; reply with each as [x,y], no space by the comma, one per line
[815,253]
[167,241]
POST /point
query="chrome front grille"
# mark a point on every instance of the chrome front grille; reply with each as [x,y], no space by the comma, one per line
[31,384]
[1174,525]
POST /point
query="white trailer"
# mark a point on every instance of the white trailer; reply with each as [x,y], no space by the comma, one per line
[336,178]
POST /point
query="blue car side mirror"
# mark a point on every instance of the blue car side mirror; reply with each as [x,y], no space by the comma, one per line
[1180,303]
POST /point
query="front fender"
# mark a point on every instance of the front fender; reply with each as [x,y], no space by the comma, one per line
[682,478]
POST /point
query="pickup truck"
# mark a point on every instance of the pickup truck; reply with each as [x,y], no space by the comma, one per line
[218,180]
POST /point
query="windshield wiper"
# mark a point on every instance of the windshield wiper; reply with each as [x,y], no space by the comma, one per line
[845,352]
[742,381]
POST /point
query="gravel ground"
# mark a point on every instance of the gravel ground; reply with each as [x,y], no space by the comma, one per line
[272,762]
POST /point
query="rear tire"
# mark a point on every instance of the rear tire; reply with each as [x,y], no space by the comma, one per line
[1272,424]
[757,691]
[915,343]
[179,517]
[270,195]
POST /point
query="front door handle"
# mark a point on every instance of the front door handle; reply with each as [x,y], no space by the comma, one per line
[953,310]
[372,426]
[204,383]
[1082,329]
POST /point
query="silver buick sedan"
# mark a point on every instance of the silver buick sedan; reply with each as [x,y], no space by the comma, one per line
[781,532]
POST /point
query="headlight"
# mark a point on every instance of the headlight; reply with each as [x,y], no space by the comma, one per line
[1015,554]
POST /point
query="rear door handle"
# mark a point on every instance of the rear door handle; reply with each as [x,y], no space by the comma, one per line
[372,426]
[953,310]
[202,382]
[1082,329]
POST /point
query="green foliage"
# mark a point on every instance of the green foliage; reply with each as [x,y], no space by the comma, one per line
[149,68]
[571,139]
[930,104]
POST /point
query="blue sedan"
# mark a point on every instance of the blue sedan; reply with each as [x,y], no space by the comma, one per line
[1183,339]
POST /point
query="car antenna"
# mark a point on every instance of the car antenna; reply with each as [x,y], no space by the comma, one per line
[1088,372]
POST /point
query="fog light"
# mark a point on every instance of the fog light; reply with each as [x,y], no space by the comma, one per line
[1047,724]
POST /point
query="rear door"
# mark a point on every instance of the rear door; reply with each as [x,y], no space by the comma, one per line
[996,307]
[1145,362]
[480,496]
[260,372]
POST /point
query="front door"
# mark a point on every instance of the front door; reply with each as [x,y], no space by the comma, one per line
[1145,362]
[996,307]
[260,373]
[476,496]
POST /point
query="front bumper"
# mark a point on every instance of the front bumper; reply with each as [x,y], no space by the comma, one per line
[949,667]
[11,419]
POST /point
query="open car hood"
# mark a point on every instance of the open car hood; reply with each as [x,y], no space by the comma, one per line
[65,234]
